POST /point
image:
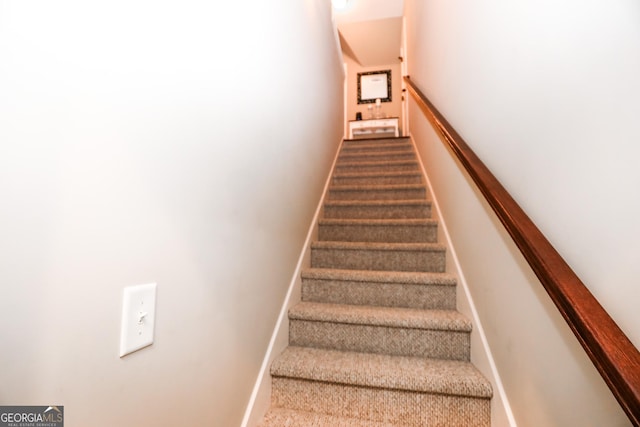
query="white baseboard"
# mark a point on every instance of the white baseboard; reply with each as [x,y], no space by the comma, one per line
[501,413]
[261,396]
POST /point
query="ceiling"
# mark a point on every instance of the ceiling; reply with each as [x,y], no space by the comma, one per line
[371,31]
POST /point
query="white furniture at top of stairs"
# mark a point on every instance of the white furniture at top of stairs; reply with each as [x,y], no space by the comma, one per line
[373,127]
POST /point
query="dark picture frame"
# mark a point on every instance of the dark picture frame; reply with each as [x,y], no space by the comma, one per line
[374,85]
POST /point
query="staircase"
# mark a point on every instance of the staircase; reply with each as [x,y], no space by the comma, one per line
[376,339]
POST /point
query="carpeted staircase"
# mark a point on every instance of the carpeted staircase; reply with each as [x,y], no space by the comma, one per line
[376,339]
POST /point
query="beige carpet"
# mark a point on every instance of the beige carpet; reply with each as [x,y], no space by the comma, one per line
[376,340]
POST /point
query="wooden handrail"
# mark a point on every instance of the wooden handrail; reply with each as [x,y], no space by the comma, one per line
[610,350]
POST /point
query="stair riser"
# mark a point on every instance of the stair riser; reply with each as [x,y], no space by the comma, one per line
[382,405]
[375,141]
[378,212]
[382,167]
[389,260]
[280,417]
[379,233]
[451,345]
[375,157]
[375,148]
[428,297]
[378,180]
[391,194]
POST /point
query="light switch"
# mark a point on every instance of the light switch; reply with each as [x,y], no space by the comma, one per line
[138,318]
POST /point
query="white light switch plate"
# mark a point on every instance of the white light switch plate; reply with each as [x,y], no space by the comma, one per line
[138,318]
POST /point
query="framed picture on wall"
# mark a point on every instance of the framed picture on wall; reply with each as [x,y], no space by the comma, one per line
[374,85]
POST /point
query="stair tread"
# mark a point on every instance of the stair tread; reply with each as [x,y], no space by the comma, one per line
[378,163]
[380,246]
[378,139]
[389,187]
[376,174]
[380,153]
[393,202]
[377,143]
[416,374]
[282,417]
[388,146]
[384,140]
[397,317]
[408,277]
[378,222]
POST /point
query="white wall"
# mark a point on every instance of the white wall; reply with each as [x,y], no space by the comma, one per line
[184,143]
[546,93]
